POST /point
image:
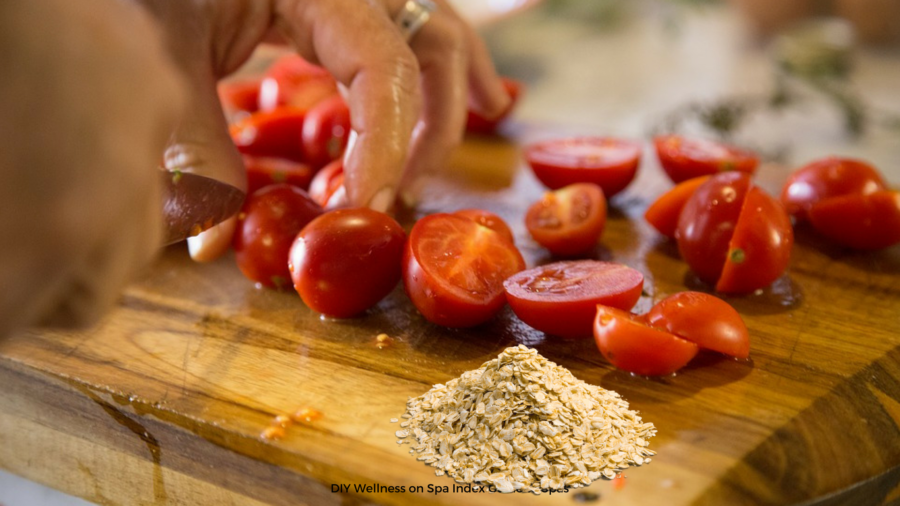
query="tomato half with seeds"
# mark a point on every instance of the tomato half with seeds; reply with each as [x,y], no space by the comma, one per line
[828,178]
[632,345]
[664,212]
[561,298]
[327,182]
[489,220]
[705,320]
[476,123]
[608,162]
[274,133]
[454,269]
[862,221]
[685,158]
[568,221]
[326,130]
[263,171]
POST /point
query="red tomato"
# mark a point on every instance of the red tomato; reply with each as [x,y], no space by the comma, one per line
[489,220]
[859,221]
[707,321]
[240,95]
[561,298]
[293,81]
[347,260]
[760,249]
[275,134]
[478,124]
[267,225]
[327,182]
[664,212]
[454,268]
[608,162]
[568,221]
[263,171]
[827,178]
[684,158]
[326,130]
[631,345]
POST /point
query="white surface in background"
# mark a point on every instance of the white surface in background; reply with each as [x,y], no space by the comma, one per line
[15,491]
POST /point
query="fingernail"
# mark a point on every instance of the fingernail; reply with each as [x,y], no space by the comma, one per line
[382,200]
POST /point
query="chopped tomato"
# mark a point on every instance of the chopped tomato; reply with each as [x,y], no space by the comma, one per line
[827,178]
[861,221]
[274,134]
[664,212]
[632,345]
[326,130]
[568,221]
[707,321]
[685,158]
[263,171]
[489,220]
[327,183]
[608,162]
[293,81]
[478,124]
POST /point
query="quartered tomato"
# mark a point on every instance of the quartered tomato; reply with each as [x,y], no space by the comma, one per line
[275,134]
[828,178]
[326,130]
[478,124]
[685,158]
[240,95]
[561,298]
[632,345]
[293,81]
[707,321]
[608,162]
[568,221]
[489,220]
[267,225]
[664,212]
[327,183]
[861,221]
[263,171]
[347,260]
[454,269]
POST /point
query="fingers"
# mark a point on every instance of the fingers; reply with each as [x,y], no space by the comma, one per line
[487,94]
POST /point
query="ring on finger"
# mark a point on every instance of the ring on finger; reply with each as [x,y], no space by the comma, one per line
[413,16]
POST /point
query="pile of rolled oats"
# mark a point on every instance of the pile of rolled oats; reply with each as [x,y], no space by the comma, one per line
[523,423]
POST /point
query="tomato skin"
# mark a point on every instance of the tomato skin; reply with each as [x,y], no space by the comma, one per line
[346,261]
[326,130]
[489,220]
[685,158]
[760,249]
[327,182]
[608,162]
[263,171]
[240,95]
[478,124]
[631,345]
[453,270]
[705,320]
[275,134]
[267,225]
[827,178]
[569,221]
[707,223]
[293,81]
[664,212]
[561,298]
[864,222]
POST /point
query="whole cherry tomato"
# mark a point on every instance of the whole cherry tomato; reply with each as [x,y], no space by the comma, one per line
[240,95]
[478,124]
[608,162]
[267,225]
[326,130]
[568,221]
[664,212]
[327,183]
[293,81]
[347,260]
[561,298]
[489,220]
[632,345]
[454,269]
[263,171]
[861,221]
[275,134]
[828,178]
[684,158]
[707,321]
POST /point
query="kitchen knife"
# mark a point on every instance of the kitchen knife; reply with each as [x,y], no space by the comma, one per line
[193,203]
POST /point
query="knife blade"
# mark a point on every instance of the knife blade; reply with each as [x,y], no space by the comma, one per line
[194,203]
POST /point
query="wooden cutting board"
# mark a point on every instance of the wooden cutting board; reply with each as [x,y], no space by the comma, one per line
[164,401]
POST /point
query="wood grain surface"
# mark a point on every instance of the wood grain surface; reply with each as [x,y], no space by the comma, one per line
[165,400]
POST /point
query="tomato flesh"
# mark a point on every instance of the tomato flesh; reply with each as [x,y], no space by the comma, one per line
[664,212]
[607,162]
[705,320]
[326,130]
[454,269]
[861,221]
[476,123]
[827,178]
[263,171]
[327,182]
[632,345]
[561,298]
[275,134]
[568,221]
[685,158]
[489,220]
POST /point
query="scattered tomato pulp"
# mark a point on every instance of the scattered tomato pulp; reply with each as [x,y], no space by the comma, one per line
[828,178]
[263,171]
[476,123]
[568,221]
[684,158]
[454,269]
[664,212]
[293,81]
[326,130]
[561,298]
[489,220]
[345,261]
[705,320]
[327,183]
[607,162]
[274,134]
[861,221]
[267,225]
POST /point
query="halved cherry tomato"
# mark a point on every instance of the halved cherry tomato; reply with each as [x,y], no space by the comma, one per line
[478,124]
[632,345]
[263,171]
[454,268]
[293,81]
[347,260]
[327,182]
[489,220]
[684,158]
[568,221]
[275,134]
[866,222]
[267,226]
[664,212]
[827,178]
[707,321]
[326,130]
[240,95]
[561,298]
[608,162]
